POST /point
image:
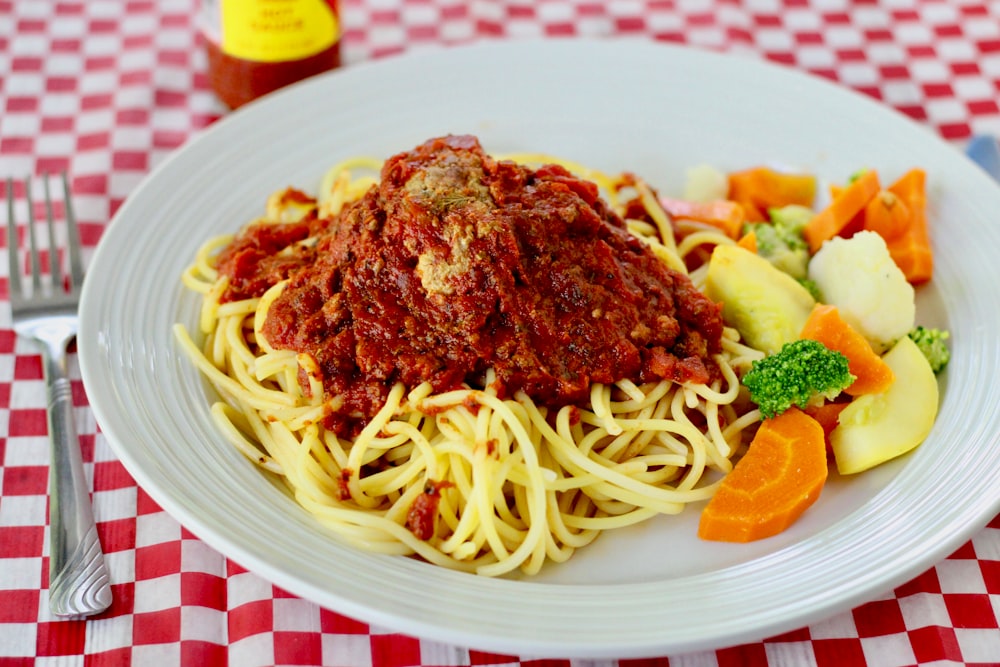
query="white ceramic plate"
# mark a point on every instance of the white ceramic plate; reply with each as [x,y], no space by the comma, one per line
[625,105]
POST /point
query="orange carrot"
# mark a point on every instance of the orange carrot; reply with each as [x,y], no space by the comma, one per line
[827,326]
[887,215]
[827,415]
[856,224]
[779,477]
[760,188]
[725,215]
[748,241]
[911,250]
[840,212]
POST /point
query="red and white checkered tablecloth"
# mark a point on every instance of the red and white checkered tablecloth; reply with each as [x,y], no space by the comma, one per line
[107,88]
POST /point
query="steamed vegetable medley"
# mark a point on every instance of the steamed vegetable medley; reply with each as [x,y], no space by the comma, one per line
[828,295]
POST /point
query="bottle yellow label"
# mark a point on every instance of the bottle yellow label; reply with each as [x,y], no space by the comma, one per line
[277,30]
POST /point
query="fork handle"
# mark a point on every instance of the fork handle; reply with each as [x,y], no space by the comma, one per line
[78,576]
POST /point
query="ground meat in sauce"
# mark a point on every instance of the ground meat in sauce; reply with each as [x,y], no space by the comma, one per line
[456,263]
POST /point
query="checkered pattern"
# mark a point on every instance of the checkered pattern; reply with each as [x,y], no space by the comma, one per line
[107,88]
[938,62]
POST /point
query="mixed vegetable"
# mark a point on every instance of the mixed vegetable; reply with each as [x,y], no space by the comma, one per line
[848,377]
[802,373]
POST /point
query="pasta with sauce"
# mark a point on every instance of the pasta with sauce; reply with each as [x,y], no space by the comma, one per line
[508,461]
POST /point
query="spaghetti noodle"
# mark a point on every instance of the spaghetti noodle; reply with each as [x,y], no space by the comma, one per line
[483,475]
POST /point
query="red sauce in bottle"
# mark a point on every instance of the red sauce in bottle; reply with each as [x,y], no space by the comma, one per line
[258,46]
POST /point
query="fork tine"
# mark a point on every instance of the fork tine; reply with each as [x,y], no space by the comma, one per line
[13,261]
[73,235]
[54,264]
[36,265]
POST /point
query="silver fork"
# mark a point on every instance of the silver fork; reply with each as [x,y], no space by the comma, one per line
[47,314]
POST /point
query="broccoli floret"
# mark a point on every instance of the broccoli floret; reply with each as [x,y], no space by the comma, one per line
[812,287]
[800,373]
[780,240]
[791,220]
[933,344]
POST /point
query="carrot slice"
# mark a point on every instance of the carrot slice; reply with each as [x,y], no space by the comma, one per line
[827,414]
[726,215]
[827,326]
[749,242]
[911,250]
[840,212]
[779,478]
[760,188]
[887,215]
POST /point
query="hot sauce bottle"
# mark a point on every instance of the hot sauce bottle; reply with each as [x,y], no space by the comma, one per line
[257,46]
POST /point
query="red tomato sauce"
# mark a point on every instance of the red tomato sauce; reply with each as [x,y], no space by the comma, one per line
[456,263]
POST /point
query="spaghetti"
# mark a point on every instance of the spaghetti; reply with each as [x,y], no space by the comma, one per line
[491,474]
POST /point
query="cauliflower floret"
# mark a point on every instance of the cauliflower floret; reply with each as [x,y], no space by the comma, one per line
[705,183]
[858,276]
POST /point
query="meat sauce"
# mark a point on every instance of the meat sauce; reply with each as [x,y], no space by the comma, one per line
[456,263]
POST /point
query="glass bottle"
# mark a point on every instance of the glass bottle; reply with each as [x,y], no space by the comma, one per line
[257,46]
